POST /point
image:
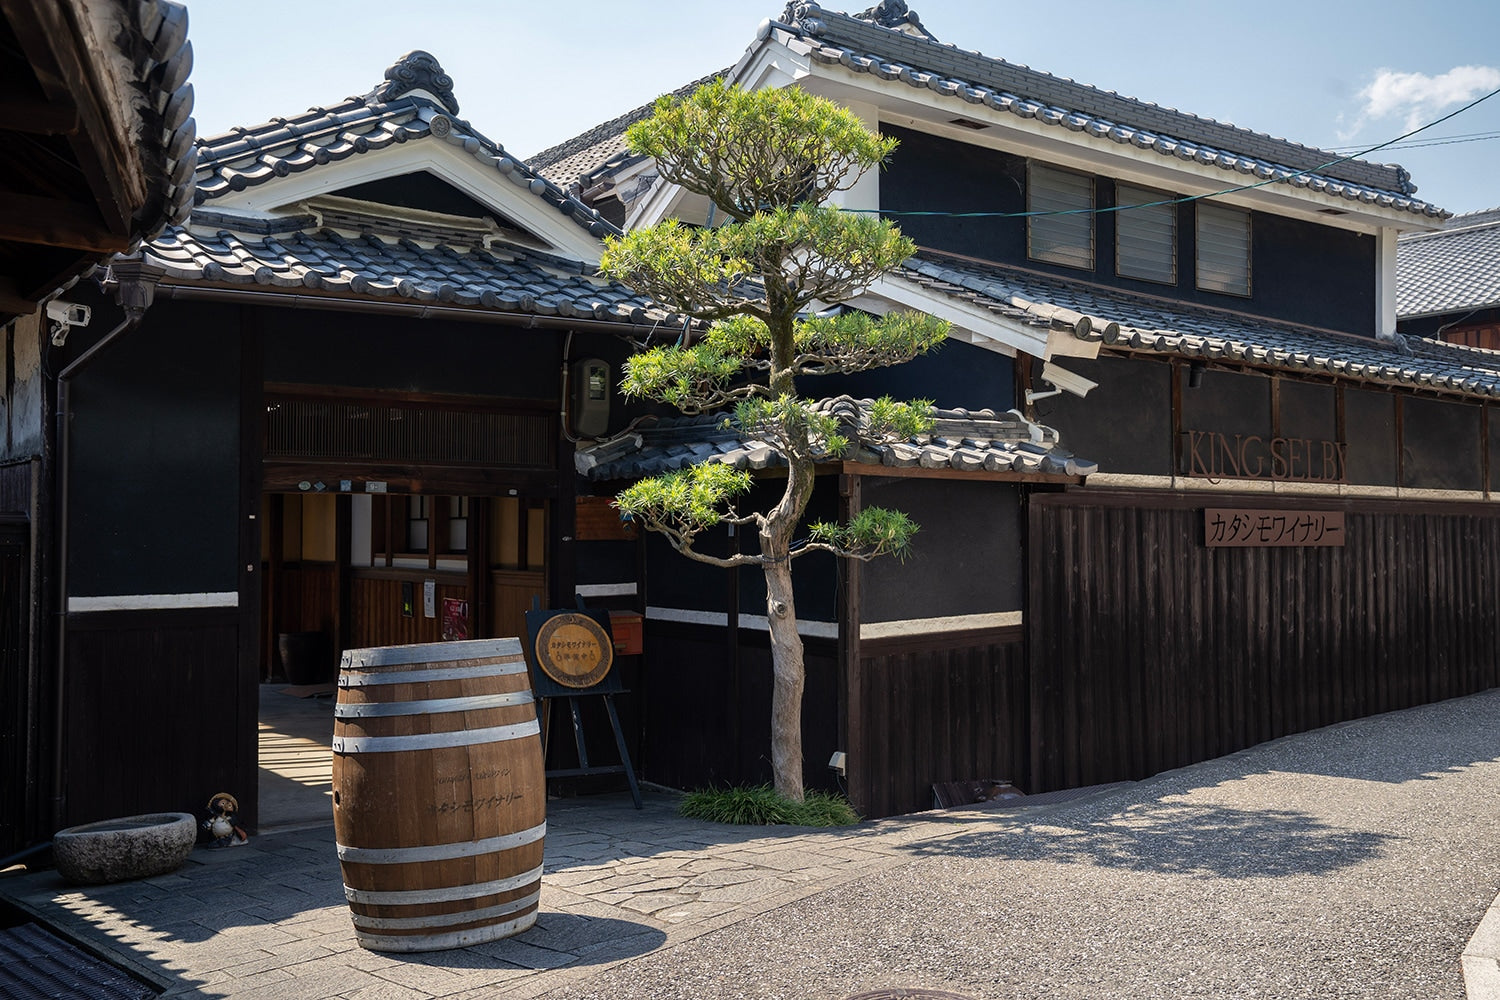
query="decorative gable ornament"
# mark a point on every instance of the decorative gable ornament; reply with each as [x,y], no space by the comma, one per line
[896,15]
[417,70]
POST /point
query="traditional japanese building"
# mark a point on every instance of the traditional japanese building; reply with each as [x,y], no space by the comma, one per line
[1282,514]
[346,420]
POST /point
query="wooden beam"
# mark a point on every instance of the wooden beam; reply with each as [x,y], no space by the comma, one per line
[12,301]
[917,472]
[32,117]
[55,223]
[55,44]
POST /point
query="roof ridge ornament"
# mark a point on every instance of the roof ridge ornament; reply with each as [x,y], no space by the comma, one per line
[417,70]
[896,15]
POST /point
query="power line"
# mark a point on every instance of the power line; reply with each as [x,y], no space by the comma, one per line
[1185,199]
[1447,140]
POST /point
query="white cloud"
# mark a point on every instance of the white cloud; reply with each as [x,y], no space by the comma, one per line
[1420,98]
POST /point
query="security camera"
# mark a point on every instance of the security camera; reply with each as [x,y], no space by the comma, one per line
[1061,380]
[65,316]
[1066,380]
[68,313]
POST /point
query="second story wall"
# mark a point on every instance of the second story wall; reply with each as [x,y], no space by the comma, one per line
[1299,271]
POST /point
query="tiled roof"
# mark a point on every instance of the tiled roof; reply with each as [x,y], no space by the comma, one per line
[1122,321]
[862,46]
[574,163]
[1454,269]
[969,441]
[163,64]
[295,253]
[414,102]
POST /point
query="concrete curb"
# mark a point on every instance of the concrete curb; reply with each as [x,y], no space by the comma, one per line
[1481,957]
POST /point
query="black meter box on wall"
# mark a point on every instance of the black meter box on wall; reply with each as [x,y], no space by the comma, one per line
[590,397]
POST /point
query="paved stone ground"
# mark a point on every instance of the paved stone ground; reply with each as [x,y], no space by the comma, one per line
[1350,862]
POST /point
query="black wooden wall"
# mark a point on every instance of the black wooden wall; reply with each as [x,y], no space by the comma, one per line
[708,707]
[19,705]
[938,709]
[1150,651]
[1300,271]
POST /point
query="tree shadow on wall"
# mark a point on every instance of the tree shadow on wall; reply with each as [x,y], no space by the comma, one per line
[1207,841]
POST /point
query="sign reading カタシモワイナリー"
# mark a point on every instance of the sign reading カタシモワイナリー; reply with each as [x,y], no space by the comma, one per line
[574,650]
[1214,455]
[1224,528]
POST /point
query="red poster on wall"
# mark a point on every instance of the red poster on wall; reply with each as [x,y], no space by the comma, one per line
[455,618]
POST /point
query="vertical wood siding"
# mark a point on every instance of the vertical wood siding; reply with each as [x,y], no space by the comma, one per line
[708,723]
[154,714]
[376,610]
[18,705]
[1151,651]
[938,711]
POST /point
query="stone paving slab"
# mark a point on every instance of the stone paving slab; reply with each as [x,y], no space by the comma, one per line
[634,903]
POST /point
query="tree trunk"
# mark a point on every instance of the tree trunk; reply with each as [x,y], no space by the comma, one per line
[788,670]
[788,673]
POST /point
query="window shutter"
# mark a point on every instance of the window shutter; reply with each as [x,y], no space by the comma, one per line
[1060,239]
[1145,238]
[1223,249]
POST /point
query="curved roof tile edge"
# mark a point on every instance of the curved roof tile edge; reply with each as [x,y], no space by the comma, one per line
[281,136]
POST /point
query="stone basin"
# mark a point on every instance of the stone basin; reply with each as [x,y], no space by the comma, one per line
[114,850]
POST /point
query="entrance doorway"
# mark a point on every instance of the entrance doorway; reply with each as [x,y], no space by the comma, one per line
[356,570]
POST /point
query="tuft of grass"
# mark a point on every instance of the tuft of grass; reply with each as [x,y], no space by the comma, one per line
[761,806]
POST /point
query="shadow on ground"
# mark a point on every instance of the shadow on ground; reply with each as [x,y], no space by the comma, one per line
[1204,840]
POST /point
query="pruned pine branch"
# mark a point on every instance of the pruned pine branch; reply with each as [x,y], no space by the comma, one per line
[797,430]
[694,379]
[693,272]
[682,505]
[745,150]
[772,265]
[873,532]
[856,342]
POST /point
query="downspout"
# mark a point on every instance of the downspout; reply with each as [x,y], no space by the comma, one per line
[135,287]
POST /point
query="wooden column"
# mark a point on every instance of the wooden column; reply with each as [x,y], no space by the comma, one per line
[851,718]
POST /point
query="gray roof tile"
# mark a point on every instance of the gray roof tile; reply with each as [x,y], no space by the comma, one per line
[573,164]
[862,46]
[399,110]
[498,277]
[1454,269]
[1125,322]
[971,442]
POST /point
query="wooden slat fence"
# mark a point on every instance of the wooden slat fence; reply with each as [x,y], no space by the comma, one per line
[940,709]
[1150,651]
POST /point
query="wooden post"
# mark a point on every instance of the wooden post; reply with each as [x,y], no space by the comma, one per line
[851,719]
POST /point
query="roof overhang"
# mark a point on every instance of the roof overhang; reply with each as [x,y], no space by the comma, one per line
[780,57]
[450,162]
[92,128]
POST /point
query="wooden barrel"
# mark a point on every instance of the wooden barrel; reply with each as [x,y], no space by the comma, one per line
[439,793]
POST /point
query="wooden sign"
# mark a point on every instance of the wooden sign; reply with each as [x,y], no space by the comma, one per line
[574,650]
[1225,528]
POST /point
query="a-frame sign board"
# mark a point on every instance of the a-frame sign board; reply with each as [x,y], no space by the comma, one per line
[572,656]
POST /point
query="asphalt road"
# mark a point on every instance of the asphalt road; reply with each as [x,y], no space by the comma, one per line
[1350,862]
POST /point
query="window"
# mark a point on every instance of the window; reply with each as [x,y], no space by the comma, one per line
[1060,239]
[1223,249]
[1145,238]
[416,524]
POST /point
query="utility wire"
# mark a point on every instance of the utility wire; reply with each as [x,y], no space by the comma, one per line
[1185,199]
[1448,140]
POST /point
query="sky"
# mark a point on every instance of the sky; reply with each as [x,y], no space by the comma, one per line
[1342,75]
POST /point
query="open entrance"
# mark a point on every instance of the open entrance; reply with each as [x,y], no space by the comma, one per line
[345,571]
[386,519]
